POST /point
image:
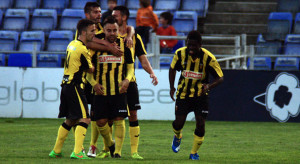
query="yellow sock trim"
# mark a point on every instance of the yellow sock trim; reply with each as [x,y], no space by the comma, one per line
[61,137]
[119,135]
[197,143]
[177,133]
[134,133]
[105,133]
[94,133]
[79,138]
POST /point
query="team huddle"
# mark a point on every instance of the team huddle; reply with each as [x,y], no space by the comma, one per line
[99,70]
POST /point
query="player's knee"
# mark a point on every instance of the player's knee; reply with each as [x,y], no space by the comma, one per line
[110,123]
[70,123]
[85,120]
[101,123]
[133,116]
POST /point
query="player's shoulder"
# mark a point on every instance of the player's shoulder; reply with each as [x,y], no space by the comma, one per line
[208,53]
[77,45]
[180,50]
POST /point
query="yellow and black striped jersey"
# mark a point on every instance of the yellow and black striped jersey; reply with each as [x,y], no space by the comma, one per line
[138,48]
[110,70]
[78,60]
[99,30]
[194,72]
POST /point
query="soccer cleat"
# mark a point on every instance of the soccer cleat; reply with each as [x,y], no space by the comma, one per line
[55,155]
[92,151]
[103,154]
[112,150]
[176,144]
[194,156]
[80,155]
[136,156]
[117,155]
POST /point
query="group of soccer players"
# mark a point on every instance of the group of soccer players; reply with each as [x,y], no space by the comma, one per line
[99,69]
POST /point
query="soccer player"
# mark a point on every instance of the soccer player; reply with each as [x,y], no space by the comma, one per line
[110,82]
[111,5]
[121,13]
[92,12]
[195,64]
[73,103]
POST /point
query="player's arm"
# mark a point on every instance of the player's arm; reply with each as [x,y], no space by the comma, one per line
[147,67]
[103,45]
[86,61]
[98,88]
[128,39]
[175,65]
[215,70]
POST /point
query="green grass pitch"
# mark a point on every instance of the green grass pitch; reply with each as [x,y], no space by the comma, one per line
[31,140]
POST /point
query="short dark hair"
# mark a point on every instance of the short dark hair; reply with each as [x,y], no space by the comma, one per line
[195,35]
[167,16]
[145,3]
[89,5]
[109,20]
[116,1]
[124,11]
[83,24]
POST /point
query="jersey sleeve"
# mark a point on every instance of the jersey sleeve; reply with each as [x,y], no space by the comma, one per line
[139,46]
[176,61]
[128,55]
[214,68]
[86,59]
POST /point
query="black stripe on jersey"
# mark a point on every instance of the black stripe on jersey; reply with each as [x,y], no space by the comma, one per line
[207,67]
[77,78]
[178,65]
[94,61]
[109,68]
[189,85]
[116,77]
[101,71]
[186,59]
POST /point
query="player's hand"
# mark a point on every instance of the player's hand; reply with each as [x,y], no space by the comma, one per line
[99,89]
[124,85]
[115,50]
[172,91]
[91,70]
[128,41]
[205,89]
[154,79]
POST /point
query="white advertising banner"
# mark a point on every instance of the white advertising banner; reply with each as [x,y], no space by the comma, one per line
[11,84]
[41,92]
[35,93]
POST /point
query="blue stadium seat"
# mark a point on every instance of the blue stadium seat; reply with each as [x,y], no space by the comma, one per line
[297,24]
[9,40]
[16,19]
[27,4]
[267,47]
[44,19]
[70,18]
[261,63]
[286,63]
[185,21]
[19,60]
[59,5]
[279,25]
[292,6]
[180,43]
[165,62]
[6,4]
[171,5]
[134,4]
[103,4]
[200,6]
[49,60]
[31,38]
[79,4]
[59,40]
[2,60]
[1,15]
[132,18]
[292,44]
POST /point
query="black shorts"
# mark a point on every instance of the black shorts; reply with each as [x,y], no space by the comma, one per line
[110,107]
[197,104]
[93,111]
[88,92]
[133,97]
[73,103]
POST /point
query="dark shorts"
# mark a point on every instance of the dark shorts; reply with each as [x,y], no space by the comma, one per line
[110,107]
[197,104]
[88,92]
[73,103]
[133,97]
